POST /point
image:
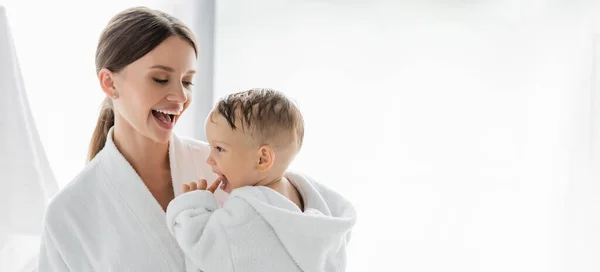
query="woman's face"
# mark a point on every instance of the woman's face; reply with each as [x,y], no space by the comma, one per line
[155,90]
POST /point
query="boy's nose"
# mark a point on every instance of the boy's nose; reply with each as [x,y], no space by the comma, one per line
[210,161]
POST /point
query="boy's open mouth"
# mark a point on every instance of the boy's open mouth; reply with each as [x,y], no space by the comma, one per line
[224,182]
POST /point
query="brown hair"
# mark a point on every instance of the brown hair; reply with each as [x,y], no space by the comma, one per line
[128,36]
[266,115]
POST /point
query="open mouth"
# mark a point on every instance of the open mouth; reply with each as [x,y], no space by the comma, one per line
[165,117]
[224,182]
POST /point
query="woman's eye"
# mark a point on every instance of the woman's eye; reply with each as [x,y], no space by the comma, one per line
[160,81]
[187,83]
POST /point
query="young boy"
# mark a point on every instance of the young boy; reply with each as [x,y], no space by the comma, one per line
[273,220]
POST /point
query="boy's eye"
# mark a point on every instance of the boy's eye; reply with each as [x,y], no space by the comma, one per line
[219,149]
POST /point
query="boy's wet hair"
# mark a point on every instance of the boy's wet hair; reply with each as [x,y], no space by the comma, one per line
[266,115]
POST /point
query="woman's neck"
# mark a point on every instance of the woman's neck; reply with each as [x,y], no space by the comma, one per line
[146,156]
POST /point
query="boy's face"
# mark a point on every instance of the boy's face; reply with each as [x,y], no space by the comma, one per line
[233,155]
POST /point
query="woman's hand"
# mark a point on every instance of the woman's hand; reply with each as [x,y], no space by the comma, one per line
[201,185]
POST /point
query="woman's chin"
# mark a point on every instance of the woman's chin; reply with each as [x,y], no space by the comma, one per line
[159,135]
[161,131]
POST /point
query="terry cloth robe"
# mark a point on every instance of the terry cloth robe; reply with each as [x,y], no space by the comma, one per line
[259,229]
[107,220]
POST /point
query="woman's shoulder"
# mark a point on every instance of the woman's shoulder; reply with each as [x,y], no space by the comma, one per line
[77,194]
[194,144]
[185,146]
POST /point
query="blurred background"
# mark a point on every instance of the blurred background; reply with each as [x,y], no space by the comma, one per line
[465,132]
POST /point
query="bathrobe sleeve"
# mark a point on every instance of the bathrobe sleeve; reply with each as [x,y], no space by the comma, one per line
[195,220]
[50,258]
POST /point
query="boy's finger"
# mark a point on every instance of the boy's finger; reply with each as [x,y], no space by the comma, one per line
[186,188]
[193,186]
[202,184]
[213,187]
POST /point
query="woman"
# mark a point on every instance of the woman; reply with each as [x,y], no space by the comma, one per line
[111,216]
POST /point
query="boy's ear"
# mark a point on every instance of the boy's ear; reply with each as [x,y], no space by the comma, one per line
[266,158]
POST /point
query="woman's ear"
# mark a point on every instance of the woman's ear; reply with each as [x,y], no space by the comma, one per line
[266,158]
[107,83]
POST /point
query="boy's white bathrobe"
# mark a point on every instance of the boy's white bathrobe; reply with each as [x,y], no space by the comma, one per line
[259,229]
[107,220]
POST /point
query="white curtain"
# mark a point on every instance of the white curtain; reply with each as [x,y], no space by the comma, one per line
[27,180]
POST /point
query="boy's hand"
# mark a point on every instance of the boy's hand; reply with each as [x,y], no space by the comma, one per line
[201,185]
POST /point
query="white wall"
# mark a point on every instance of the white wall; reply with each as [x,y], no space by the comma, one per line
[455,127]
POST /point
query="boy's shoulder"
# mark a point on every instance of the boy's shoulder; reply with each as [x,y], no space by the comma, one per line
[337,204]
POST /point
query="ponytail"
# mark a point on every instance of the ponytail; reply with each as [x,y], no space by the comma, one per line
[105,121]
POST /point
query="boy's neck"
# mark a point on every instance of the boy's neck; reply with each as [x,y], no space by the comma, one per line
[272,182]
[283,186]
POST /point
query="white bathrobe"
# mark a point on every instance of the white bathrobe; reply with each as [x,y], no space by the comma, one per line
[259,229]
[107,220]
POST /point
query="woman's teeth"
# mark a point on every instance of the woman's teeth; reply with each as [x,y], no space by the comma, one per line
[164,117]
[169,112]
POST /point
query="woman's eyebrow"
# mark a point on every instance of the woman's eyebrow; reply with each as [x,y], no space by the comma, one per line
[169,69]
